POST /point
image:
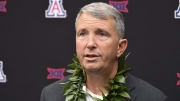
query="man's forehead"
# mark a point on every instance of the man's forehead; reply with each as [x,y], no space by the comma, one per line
[87,18]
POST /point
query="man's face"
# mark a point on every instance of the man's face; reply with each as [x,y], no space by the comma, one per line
[96,42]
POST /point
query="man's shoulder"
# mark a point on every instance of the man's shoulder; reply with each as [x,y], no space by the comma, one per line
[54,91]
[143,91]
[58,84]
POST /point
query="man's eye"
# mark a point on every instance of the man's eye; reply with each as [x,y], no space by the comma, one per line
[102,34]
[82,33]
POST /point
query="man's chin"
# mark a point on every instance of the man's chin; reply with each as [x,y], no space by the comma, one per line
[91,69]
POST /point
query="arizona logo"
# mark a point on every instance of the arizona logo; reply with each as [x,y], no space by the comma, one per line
[121,6]
[177,12]
[55,9]
[3,6]
[2,76]
[55,73]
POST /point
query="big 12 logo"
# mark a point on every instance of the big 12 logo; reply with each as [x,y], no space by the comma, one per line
[178,82]
[2,76]
[3,6]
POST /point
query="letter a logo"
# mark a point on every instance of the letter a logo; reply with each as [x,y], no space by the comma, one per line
[2,76]
[177,12]
[55,9]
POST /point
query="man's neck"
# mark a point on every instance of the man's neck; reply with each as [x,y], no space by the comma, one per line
[96,81]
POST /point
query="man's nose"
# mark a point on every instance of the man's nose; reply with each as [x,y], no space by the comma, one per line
[91,43]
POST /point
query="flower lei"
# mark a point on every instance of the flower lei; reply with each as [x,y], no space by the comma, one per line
[118,91]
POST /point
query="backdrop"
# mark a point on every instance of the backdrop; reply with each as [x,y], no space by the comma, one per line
[30,43]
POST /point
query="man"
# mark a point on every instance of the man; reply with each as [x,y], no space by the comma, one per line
[99,44]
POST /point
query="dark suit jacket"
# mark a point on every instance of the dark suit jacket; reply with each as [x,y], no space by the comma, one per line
[139,91]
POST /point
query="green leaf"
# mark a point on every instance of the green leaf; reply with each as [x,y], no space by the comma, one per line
[96,99]
[115,87]
[120,79]
[125,94]
[69,98]
[81,99]
[114,93]
[125,70]
[72,93]
[127,55]
[72,65]
[77,71]
[84,77]
[67,86]
[75,59]
[122,88]
[107,88]
[68,91]
[121,61]
[75,78]
[111,81]
[83,92]
[118,99]
[74,86]
[70,71]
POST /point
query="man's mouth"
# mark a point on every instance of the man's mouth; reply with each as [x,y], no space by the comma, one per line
[91,57]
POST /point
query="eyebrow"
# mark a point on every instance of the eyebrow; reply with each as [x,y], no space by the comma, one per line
[96,31]
[82,29]
[102,30]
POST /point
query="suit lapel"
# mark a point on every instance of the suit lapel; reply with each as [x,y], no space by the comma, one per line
[130,85]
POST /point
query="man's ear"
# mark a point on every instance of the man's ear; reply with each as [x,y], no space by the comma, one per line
[121,47]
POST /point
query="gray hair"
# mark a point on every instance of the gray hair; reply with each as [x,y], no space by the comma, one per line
[102,11]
